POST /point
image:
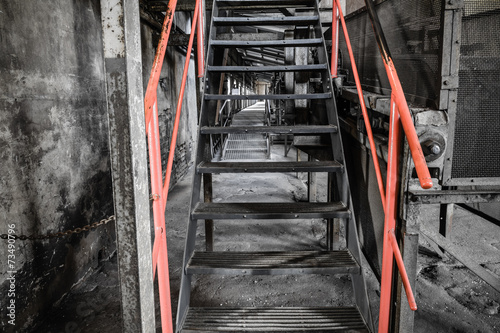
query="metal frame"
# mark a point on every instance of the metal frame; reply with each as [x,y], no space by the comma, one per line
[450,57]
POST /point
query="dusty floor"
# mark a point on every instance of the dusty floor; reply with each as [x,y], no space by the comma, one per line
[449,296]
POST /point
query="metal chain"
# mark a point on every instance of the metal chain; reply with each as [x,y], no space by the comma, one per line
[62,233]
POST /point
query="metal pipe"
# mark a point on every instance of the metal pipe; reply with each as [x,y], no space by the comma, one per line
[160,255]
[160,242]
[397,90]
[402,270]
[179,106]
[154,77]
[366,119]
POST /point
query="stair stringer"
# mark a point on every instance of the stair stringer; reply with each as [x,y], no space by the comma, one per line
[203,151]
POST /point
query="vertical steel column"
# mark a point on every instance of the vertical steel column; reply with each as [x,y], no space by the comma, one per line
[122,53]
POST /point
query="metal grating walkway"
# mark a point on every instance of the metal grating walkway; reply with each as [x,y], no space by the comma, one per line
[282,319]
[247,146]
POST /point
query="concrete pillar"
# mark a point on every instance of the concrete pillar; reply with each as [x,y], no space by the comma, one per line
[123,67]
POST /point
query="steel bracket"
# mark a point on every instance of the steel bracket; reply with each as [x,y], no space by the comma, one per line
[449,82]
[454,4]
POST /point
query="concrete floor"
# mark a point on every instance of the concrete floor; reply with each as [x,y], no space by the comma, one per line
[449,296]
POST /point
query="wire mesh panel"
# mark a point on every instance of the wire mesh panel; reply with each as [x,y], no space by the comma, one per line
[412,30]
[476,151]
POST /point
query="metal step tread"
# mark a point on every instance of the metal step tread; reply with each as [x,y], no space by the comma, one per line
[261,167]
[298,129]
[269,210]
[290,3]
[272,263]
[285,20]
[269,96]
[264,43]
[278,319]
[285,68]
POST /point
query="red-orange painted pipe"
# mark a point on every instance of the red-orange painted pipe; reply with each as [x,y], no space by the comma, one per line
[200,42]
[159,256]
[335,39]
[368,126]
[390,218]
[154,77]
[402,270]
[411,135]
[173,141]
[160,251]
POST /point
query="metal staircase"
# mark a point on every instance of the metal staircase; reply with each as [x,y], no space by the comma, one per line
[239,27]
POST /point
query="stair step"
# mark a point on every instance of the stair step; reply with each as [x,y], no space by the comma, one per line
[278,319]
[272,263]
[298,129]
[247,21]
[289,68]
[269,210]
[269,97]
[253,3]
[267,43]
[239,167]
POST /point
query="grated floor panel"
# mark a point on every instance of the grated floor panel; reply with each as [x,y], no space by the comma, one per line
[247,146]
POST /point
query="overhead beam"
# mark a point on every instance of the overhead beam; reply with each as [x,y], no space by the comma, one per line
[182,6]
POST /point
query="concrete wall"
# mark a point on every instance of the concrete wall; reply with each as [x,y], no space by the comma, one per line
[55,170]
[54,150]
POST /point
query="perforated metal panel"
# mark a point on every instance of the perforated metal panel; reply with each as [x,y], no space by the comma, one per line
[476,151]
[412,30]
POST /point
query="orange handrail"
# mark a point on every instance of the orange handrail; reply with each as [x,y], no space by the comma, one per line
[154,77]
[173,141]
[159,194]
[366,119]
[160,254]
[411,135]
[401,267]
[160,241]
[399,114]
[397,90]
